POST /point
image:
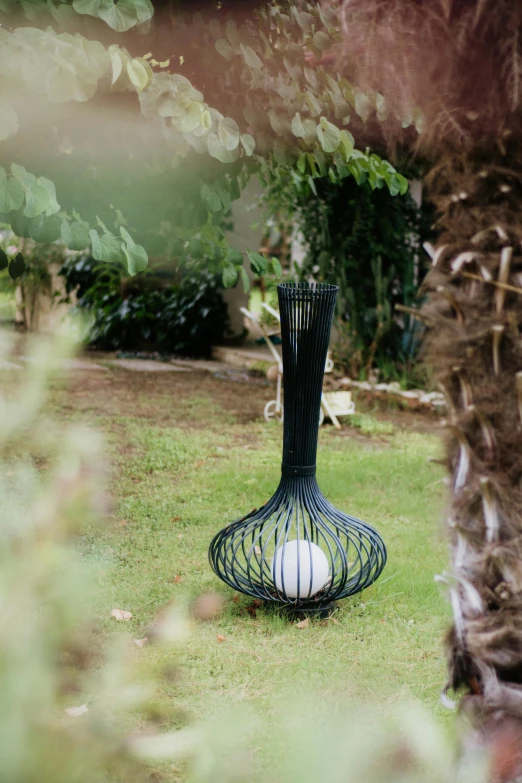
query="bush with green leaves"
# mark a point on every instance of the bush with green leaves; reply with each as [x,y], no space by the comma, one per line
[183,316]
[369,245]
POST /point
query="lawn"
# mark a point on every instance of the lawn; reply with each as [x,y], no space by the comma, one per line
[188,455]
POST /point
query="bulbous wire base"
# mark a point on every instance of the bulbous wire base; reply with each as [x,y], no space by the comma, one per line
[243,553]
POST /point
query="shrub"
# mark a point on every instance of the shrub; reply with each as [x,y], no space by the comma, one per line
[369,245]
[173,316]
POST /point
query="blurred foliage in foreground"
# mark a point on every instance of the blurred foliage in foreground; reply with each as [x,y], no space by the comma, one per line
[72,711]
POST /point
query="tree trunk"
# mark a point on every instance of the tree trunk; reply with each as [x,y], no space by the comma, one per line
[473,317]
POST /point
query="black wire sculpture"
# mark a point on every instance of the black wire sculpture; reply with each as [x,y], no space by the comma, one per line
[298,550]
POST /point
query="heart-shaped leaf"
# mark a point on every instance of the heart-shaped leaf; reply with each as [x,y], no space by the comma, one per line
[16,266]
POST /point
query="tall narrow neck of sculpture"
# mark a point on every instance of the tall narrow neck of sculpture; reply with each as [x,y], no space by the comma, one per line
[306,312]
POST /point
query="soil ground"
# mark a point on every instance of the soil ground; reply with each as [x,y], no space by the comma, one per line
[119,391]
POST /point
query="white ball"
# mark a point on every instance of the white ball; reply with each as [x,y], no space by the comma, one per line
[296,564]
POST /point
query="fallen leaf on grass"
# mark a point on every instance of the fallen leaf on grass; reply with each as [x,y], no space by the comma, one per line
[253,607]
[121,614]
[75,712]
[220,638]
[175,519]
[235,598]
[178,578]
[123,522]
[141,642]
[303,624]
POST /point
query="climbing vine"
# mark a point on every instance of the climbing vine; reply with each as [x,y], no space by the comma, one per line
[136,159]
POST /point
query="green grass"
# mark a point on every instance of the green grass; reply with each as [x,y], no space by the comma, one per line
[175,486]
[7,305]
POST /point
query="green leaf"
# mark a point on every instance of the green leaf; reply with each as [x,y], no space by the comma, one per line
[89,7]
[224,48]
[138,74]
[301,163]
[63,14]
[235,257]
[195,248]
[381,107]
[137,259]
[16,266]
[251,58]
[276,266]
[322,40]
[248,143]
[144,10]
[11,192]
[223,191]
[53,206]
[76,234]
[232,34]
[311,162]
[45,229]
[211,198]
[348,143]
[304,129]
[312,103]
[102,225]
[403,184]
[8,119]
[4,261]
[129,241]
[282,154]
[362,104]
[33,9]
[120,17]
[228,133]
[192,117]
[20,225]
[38,200]
[245,278]
[312,184]
[116,63]
[258,263]
[106,248]
[27,179]
[297,126]
[329,135]
[230,276]
[304,20]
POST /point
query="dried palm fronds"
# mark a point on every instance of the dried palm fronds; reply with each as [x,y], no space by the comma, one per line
[455,65]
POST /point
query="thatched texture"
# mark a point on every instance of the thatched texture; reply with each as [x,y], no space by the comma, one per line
[459,63]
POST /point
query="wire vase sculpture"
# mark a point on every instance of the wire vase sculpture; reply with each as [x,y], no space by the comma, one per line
[298,550]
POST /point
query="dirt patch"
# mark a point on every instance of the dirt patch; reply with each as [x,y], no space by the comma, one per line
[196,399]
[168,398]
